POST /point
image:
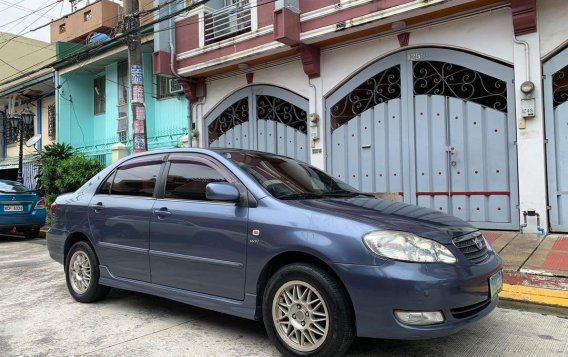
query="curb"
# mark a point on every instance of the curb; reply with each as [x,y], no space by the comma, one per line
[550,297]
[43,231]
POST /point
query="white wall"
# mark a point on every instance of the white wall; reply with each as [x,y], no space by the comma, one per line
[489,34]
[552,22]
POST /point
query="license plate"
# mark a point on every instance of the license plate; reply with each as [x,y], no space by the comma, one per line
[13,208]
[495,284]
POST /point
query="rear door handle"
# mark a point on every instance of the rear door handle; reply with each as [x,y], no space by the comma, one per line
[98,207]
[162,212]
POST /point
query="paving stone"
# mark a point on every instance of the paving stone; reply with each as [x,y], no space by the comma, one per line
[516,253]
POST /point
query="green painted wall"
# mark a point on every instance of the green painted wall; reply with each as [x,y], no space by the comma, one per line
[166,119]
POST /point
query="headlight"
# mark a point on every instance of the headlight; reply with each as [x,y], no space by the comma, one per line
[407,247]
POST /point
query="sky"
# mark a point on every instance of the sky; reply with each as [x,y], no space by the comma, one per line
[19,17]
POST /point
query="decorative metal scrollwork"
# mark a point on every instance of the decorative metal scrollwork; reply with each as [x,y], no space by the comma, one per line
[448,79]
[380,88]
[560,87]
[51,121]
[234,115]
[279,110]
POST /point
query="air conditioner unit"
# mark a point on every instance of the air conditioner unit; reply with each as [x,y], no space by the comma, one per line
[175,85]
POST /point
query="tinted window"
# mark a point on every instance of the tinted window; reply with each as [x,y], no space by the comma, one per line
[287,178]
[11,187]
[105,187]
[187,180]
[136,179]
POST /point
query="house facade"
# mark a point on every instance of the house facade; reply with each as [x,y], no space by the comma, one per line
[34,93]
[441,102]
[93,94]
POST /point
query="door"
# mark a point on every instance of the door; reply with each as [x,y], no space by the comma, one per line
[119,216]
[556,122]
[435,126]
[196,244]
[264,118]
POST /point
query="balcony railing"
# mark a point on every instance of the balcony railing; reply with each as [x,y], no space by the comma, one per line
[227,22]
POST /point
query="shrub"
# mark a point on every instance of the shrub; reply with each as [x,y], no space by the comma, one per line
[62,170]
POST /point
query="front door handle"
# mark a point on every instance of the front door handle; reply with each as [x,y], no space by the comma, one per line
[162,212]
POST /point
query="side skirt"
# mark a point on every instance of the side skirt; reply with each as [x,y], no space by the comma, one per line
[245,308]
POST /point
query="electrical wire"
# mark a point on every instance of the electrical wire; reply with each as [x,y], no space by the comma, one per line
[72,48]
[21,8]
[124,35]
[25,28]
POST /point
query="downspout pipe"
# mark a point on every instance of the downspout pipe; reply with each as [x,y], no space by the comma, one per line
[527,60]
[39,119]
[4,125]
[174,72]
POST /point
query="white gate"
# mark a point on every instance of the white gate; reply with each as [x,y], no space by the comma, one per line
[556,121]
[261,117]
[436,126]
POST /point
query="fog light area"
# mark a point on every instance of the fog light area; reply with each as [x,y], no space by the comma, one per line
[419,318]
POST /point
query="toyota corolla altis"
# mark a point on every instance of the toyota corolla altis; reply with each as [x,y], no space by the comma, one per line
[267,237]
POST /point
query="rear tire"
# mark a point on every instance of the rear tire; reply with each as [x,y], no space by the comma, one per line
[82,274]
[307,312]
[31,234]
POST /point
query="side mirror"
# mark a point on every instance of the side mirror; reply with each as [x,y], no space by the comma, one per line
[222,191]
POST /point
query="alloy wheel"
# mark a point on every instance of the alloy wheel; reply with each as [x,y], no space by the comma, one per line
[300,316]
[80,272]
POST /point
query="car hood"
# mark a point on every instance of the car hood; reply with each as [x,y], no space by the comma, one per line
[388,215]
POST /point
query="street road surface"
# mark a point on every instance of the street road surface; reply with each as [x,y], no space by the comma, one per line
[39,317]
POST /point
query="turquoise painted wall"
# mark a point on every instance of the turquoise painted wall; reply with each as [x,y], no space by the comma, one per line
[166,119]
[75,110]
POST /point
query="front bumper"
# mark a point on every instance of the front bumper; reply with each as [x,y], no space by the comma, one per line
[460,292]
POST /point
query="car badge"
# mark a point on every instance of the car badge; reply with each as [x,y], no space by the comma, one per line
[478,242]
[13,198]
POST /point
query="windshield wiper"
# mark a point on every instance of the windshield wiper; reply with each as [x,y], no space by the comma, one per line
[345,193]
[300,195]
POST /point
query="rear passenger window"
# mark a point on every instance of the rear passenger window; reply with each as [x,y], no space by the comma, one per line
[136,179]
[187,180]
[105,187]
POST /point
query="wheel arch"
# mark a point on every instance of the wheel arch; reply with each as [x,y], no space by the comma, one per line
[74,238]
[291,257]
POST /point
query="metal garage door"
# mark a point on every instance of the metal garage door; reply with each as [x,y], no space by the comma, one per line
[556,119]
[437,126]
[277,122]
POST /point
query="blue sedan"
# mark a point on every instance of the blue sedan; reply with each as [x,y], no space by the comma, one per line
[263,236]
[22,210]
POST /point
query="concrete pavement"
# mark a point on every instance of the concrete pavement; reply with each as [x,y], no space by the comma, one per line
[38,317]
[535,267]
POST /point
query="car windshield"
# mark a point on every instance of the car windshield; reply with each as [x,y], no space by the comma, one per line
[289,179]
[12,187]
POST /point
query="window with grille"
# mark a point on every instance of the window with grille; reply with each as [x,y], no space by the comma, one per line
[99,93]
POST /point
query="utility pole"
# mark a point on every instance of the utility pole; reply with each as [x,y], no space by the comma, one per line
[132,27]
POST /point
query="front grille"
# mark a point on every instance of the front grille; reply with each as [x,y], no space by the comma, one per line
[470,310]
[473,247]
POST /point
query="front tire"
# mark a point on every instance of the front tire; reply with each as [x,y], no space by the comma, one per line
[307,312]
[82,274]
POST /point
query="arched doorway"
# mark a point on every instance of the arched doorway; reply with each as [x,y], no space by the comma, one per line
[261,117]
[435,125]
